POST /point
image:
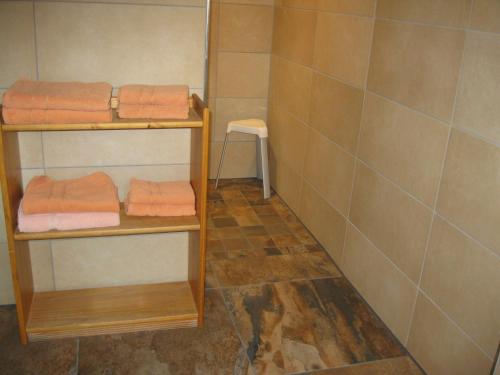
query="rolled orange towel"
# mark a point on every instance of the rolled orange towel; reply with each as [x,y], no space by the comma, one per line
[165,192]
[144,209]
[54,116]
[92,193]
[141,111]
[74,96]
[163,95]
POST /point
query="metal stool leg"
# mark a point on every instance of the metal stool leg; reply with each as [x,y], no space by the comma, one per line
[265,167]
[221,160]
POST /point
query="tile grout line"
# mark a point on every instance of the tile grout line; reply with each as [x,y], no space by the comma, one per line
[358,138]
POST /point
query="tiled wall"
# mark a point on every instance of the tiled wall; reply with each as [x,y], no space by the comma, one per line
[136,41]
[384,124]
[240,49]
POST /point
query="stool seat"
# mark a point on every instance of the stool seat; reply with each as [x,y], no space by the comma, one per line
[250,126]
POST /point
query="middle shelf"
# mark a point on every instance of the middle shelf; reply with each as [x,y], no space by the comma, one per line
[128,225]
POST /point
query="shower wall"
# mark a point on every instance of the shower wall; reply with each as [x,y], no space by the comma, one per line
[240,50]
[385,140]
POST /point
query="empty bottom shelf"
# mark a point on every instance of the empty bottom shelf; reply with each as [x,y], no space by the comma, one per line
[96,311]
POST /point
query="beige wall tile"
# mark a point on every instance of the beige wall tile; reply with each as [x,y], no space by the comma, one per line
[6,291]
[121,175]
[486,15]
[41,266]
[229,109]
[242,75]
[342,47]
[293,37]
[324,222]
[17,42]
[245,28]
[3,234]
[330,170]
[213,48]
[254,2]
[438,12]
[30,149]
[439,347]
[94,42]
[291,87]
[336,110]
[358,7]
[477,103]
[416,65]
[286,182]
[113,148]
[240,160]
[405,146]
[396,223]
[464,279]
[469,189]
[382,285]
[108,261]
[288,139]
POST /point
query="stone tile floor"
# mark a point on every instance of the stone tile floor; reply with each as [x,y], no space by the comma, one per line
[276,304]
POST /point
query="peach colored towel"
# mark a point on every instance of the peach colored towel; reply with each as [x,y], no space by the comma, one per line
[142,111]
[165,192]
[65,221]
[54,116]
[76,96]
[145,209]
[171,95]
[92,193]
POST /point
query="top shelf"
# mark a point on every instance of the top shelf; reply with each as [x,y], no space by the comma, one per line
[193,121]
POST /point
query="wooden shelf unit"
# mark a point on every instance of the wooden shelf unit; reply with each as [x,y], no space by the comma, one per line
[70,313]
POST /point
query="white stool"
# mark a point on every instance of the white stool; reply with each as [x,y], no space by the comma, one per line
[256,127]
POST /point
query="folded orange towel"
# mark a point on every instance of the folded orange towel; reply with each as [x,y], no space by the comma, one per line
[54,116]
[171,95]
[92,193]
[153,111]
[76,96]
[145,209]
[165,192]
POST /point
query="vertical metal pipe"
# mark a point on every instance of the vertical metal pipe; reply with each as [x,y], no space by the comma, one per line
[207,48]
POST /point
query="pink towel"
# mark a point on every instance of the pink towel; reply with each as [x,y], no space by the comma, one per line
[75,96]
[65,221]
[165,192]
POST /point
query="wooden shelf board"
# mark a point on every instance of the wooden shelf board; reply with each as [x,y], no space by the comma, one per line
[128,225]
[193,121]
[132,308]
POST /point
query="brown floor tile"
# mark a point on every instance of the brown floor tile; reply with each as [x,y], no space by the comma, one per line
[236,244]
[264,210]
[255,270]
[261,241]
[281,228]
[287,239]
[229,232]
[307,325]
[222,222]
[38,358]
[258,230]
[213,349]
[215,245]
[392,366]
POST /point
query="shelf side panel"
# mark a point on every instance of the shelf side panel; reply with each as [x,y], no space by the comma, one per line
[11,182]
[199,181]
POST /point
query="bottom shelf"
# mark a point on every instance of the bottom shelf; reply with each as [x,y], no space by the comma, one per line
[87,312]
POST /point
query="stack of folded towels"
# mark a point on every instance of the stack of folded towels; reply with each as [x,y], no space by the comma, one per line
[147,198]
[36,102]
[86,202]
[155,102]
